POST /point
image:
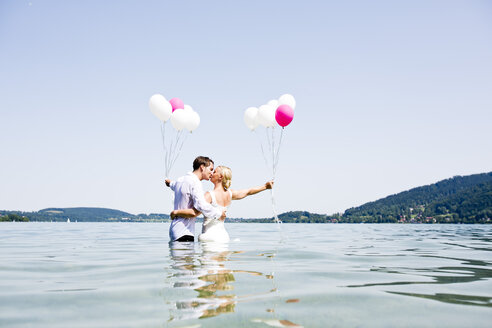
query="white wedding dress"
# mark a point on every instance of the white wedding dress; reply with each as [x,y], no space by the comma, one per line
[213,230]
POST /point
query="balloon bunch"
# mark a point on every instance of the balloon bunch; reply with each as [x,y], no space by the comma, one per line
[182,117]
[277,112]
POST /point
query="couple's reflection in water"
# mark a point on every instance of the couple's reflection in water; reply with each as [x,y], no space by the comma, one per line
[202,267]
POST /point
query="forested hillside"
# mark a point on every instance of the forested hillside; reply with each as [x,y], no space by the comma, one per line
[464,199]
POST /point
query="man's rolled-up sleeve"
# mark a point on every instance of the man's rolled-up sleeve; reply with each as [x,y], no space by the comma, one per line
[202,205]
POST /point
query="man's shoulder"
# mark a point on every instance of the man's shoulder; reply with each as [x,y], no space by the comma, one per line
[186,180]
[191,178]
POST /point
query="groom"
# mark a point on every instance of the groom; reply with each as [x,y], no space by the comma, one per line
[188,193]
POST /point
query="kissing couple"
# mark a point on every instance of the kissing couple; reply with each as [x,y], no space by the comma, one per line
[190,201]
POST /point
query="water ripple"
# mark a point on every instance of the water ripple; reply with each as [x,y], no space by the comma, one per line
[305,275]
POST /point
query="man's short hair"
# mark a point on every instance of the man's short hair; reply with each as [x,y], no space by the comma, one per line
[201,160]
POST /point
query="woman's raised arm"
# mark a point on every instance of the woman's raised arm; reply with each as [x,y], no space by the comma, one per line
[240,194]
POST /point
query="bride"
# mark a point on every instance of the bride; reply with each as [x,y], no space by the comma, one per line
[221,196]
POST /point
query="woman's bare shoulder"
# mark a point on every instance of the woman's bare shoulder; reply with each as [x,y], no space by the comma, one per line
[223,197]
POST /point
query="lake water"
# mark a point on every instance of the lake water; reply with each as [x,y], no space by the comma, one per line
[290,275]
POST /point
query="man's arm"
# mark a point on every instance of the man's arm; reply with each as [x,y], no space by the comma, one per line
[185,213]
[170,184]
[202,205]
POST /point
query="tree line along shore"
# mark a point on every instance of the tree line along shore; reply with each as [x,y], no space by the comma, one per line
[460,199]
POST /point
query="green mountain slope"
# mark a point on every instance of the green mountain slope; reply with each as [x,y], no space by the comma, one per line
[472,204]
[462,199]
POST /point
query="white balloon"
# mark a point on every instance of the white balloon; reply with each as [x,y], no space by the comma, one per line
[160,107]
[251,118]
[188,108]
[266,116]
[192,121]
[178,119]
[273,103]
[287,99]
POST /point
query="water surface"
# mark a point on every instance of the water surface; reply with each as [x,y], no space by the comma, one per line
[293,275]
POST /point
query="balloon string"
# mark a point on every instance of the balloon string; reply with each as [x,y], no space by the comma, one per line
[275,216]
[278,148]
[276,219]
[269,143]
[261,146]
[273,153]
[163,134]
[166,156]
[179,150]
[173,149]
[172,152]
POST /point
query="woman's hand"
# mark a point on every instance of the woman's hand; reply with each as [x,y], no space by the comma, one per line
[269,185]
[173,215]
[168,182]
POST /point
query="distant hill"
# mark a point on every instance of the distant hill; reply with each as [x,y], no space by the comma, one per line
[461,199]
[290,217]
[86,214]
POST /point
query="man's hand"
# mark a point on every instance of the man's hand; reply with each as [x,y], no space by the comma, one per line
[269,184]
[168,182]
[223,216]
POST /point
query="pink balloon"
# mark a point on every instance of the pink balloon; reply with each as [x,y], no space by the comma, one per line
[284,115]
[176,103]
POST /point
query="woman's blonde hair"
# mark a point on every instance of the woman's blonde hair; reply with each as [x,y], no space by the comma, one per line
[226,176]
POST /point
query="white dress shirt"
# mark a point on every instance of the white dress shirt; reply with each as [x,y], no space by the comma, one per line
[188,193]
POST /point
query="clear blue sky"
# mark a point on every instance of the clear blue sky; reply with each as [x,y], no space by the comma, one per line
[390,95]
